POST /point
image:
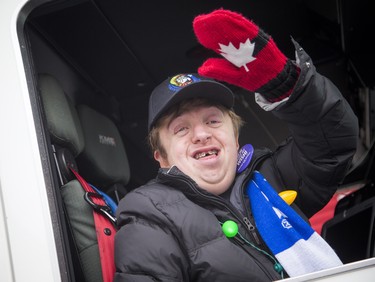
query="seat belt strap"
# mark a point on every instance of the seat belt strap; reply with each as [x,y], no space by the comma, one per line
[105,231]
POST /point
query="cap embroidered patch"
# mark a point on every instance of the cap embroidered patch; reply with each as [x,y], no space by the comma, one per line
[181,80]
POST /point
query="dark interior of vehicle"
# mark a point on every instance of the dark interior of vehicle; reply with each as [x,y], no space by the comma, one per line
[110,54]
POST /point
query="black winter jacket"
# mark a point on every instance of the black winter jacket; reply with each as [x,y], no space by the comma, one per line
[170,229]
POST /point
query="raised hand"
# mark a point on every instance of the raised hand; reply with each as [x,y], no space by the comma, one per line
[251,58]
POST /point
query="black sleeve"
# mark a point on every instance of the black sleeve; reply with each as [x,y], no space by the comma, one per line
[324,133]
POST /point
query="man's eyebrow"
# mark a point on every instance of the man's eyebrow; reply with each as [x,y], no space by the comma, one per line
[169,119]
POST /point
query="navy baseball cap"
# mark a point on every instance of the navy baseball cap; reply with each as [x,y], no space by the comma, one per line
[185,86]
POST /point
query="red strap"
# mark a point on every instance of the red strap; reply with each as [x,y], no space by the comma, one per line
[105,233]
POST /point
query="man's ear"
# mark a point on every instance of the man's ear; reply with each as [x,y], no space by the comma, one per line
[162,161]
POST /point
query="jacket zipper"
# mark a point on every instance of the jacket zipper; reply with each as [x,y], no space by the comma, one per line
[252,230]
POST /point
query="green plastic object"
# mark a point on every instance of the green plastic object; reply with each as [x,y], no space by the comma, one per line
[230,228]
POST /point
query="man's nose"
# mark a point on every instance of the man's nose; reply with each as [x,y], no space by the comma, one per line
[201,134]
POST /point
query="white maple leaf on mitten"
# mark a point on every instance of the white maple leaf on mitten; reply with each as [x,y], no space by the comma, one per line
[241,56]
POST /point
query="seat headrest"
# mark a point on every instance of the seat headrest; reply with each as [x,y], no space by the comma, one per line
[62,118]
[103,160]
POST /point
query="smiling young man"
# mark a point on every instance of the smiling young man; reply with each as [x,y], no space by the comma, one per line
[172,228]
[202,143]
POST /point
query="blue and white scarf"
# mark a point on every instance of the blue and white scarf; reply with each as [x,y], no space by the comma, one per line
[297,247]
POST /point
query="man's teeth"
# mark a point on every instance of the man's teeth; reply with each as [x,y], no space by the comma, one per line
[204,154]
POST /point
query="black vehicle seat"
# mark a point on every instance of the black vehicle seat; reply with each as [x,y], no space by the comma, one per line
[103,161]
[104,166]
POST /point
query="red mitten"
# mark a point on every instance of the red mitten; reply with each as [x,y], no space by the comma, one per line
[252,59]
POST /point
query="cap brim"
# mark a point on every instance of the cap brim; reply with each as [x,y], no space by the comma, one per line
[210,90]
